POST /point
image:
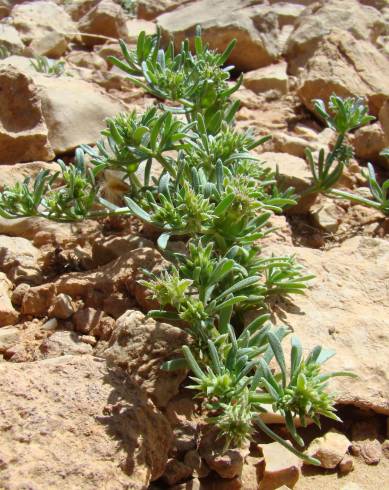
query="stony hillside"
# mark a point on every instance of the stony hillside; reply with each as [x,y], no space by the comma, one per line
[84,403]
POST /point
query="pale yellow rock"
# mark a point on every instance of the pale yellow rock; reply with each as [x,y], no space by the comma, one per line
[329,449]
[272,77]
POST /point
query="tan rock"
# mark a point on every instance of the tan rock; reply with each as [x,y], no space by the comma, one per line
[86,59]
[347,67]
[18,293]
[11,174]
[327,215]
[19,259]
[38,300]
[5,8]
[136,26]
[78,9]
[329,449]
[346,465]
[93,322]
[345,309]
[106,19]
[365,435]
[281,467]
[52,44]
[8,314]
[121,275]
[64,343]
[23,131]
[175,472]
[369,141]
[192,459]
[9,37]
[293,171]
[323,18]
[228,463]
[9,336]
[67,103]
[106,249]
[149,9]
[38,18]
[61,403]
[222,20]
[143,345]
[272,77]
[62,307]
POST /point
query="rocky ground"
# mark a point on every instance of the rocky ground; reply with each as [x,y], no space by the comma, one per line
[83,402]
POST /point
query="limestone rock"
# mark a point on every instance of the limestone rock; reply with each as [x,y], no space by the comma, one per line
[11,174]
[329,449]
[323,18]
[121,275]
[136,26]
[53,45]
[117,437]
[149,9]
[327,215]
[369,141]
[345,309]
[19,259]
[62,307]
[93,322]
[228,463]
[36,19]
[86,59]
[106,19]
[281,467]
[64,343]
[8,315]
[221,21]
[23,131]
[175,472]
[142,345]
[38,300]
[9,37]
[272,77]
[347,67]
[293,171]
[346,465]
[9,336]
[67,103]
[5,8]
[365,435]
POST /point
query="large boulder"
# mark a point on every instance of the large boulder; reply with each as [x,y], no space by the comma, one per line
[36,19]
[346,309]
[23,131]
[347,67]
[325,17]
[106,19]
[142,345]
[222,20]
[55,123]
[68,422]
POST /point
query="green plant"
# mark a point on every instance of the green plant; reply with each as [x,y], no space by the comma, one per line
[52,68]
[214,194]
[342,116]
[4,52]
[129,6]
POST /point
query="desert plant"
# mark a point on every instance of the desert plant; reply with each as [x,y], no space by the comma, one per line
[342,116]
[214,194]
[49,67]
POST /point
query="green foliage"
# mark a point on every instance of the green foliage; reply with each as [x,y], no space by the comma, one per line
[214,194]
[342,116]
[52,68]
[4,52]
